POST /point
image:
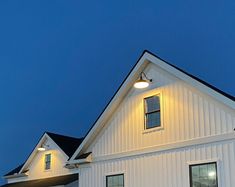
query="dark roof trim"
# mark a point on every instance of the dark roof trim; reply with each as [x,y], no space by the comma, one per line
[114,94]
[83,156]
[52,181]
[14,171]
[196,78]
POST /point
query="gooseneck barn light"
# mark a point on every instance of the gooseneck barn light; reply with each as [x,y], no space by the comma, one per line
[43,147]
[142,83]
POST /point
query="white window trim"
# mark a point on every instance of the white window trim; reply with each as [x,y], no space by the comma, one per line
[44,164]
[161,127]
[121,172]
[194,162]
[197,162]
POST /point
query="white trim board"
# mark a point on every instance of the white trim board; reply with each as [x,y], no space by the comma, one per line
[167,147]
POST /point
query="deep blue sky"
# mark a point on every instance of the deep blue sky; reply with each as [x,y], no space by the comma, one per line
[61,61]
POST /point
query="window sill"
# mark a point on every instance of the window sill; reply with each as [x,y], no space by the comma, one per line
[147,131]
[47,170]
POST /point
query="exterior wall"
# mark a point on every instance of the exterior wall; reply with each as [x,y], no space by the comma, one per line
[36,167]
[161,157]
[165,169]
[186,114]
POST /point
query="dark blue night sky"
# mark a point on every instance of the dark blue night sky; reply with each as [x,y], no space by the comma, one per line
[61,61]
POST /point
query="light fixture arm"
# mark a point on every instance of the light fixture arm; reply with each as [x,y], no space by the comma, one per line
[143,81]
[143,74]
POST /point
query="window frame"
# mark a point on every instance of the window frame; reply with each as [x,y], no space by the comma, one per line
[114,175]
[45,162]
[159,94]
[201,164]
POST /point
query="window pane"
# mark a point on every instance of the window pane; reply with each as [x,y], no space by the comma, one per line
[109,181]
[115,181]
[48,165]
[152,112]
[153,120]
[47,161]
[203,175]
[48,157]
[195,172]
[152,104]
[121,181]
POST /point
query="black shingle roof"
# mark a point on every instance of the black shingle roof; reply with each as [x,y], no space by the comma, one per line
[83,156]
[66,143]
[14,171]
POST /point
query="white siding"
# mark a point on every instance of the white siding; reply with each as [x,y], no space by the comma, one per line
[187,114]
[36,167]
[165,169]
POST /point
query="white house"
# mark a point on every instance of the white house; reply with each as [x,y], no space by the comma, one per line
[177,132]
[45,166]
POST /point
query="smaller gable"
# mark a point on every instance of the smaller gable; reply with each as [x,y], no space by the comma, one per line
[65,144]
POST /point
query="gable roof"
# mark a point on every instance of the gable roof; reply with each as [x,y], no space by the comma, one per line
[146,58]
[67,144]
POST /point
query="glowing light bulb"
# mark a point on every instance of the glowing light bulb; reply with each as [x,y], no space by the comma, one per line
[141,84]
[41,149]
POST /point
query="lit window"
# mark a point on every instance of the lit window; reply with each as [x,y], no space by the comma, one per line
[152,112]
[47,161]
[115,180]
[203,175]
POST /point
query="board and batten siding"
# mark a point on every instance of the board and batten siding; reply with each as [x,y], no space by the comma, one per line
[36,169]
[164,169]
[187,114]
[196,129]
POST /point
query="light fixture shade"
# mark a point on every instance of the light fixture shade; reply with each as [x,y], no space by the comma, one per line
[140,84]
[41,149]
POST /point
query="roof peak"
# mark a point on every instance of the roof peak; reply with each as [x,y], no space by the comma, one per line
[62,135]
[145,58]
[192,76]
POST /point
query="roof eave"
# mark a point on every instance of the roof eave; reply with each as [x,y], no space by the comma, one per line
[17,175]
[114,102]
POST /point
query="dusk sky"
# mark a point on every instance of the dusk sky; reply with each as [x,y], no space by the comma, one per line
[61,61]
